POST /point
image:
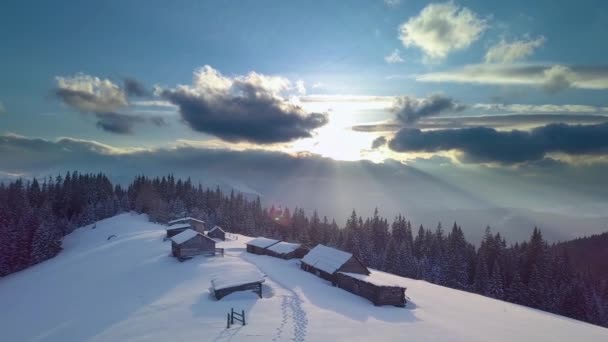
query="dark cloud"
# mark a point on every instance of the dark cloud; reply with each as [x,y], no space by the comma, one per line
[378,142]
[102,98]
[410,109]
[493,121]
[252,115]
[117,123]
[482,144]
[134,88]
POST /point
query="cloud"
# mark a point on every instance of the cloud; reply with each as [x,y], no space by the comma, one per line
[103,99]
[558,78]
[442,28]
[549,77]
[243,108]
[133,87]
[116,123]
[508,52]
[379,142]
[541,109]
[90,94]
[487,145]
[394,57]
[392,3]
[410,109]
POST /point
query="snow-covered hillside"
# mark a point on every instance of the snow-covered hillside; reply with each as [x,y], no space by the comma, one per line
[128,288]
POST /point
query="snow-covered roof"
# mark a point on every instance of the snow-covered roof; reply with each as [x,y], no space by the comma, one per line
[326,258]
[185,219]
[216,228]
[236,279]
[378,278]
[184,236]
[262,242]
[178,226]
[284,247]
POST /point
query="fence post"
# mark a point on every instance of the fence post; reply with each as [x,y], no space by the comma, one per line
[243,315]
[227,321]
[231,315]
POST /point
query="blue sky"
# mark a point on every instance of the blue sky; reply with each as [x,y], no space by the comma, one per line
[475,84]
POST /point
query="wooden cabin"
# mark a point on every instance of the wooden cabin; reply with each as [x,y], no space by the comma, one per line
[217,233]
[325,262]
[196,224]
[259,245]
[286,250]
[233,282]
[177,228]
[378,287]
[190,243]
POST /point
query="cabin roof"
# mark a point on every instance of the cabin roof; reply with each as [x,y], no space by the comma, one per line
[377,278]
[187,235]
[216,228]
[185,219]
[179,226]
[237,279]
[184,236]
[326,258]
[284,247]
[262,242]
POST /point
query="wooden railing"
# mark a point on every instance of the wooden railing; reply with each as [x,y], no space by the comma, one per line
[235,316]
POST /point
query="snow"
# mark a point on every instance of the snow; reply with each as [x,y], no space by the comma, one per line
[326,258]
[178,226]
[130,289]
[215,228]
[284,247]
[231,279]
[185,219]
[262,242]
[184,236]
[377,278]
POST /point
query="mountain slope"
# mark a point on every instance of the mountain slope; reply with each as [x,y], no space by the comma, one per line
[128,288]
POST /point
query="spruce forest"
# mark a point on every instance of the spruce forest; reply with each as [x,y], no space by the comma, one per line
[35,215]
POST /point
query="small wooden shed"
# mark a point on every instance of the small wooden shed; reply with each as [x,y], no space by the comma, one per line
[286,250]
[196,224]
[233,282]
[217,233]
[259,245]
[378,287]
[177,228]
[190,243]
[325,262]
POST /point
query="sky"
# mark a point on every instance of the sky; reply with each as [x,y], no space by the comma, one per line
[506,100]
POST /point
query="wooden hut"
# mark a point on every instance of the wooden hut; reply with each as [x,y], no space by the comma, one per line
[233,282]
[177,228]
[190,243]
[378,287]
[259,245]
[217,233]
[286,250]
[325,262]
[196,224]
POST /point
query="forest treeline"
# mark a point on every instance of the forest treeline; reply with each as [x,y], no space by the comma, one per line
[35,215]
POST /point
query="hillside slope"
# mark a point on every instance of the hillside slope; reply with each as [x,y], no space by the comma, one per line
[128,288]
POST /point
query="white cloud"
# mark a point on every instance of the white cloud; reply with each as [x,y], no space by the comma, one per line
[90,94]
[318,85]
[549,77]
[442,28]
[540,109]
[394,57]
[300,87]
[508,52]
[392,3]
[558,78]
